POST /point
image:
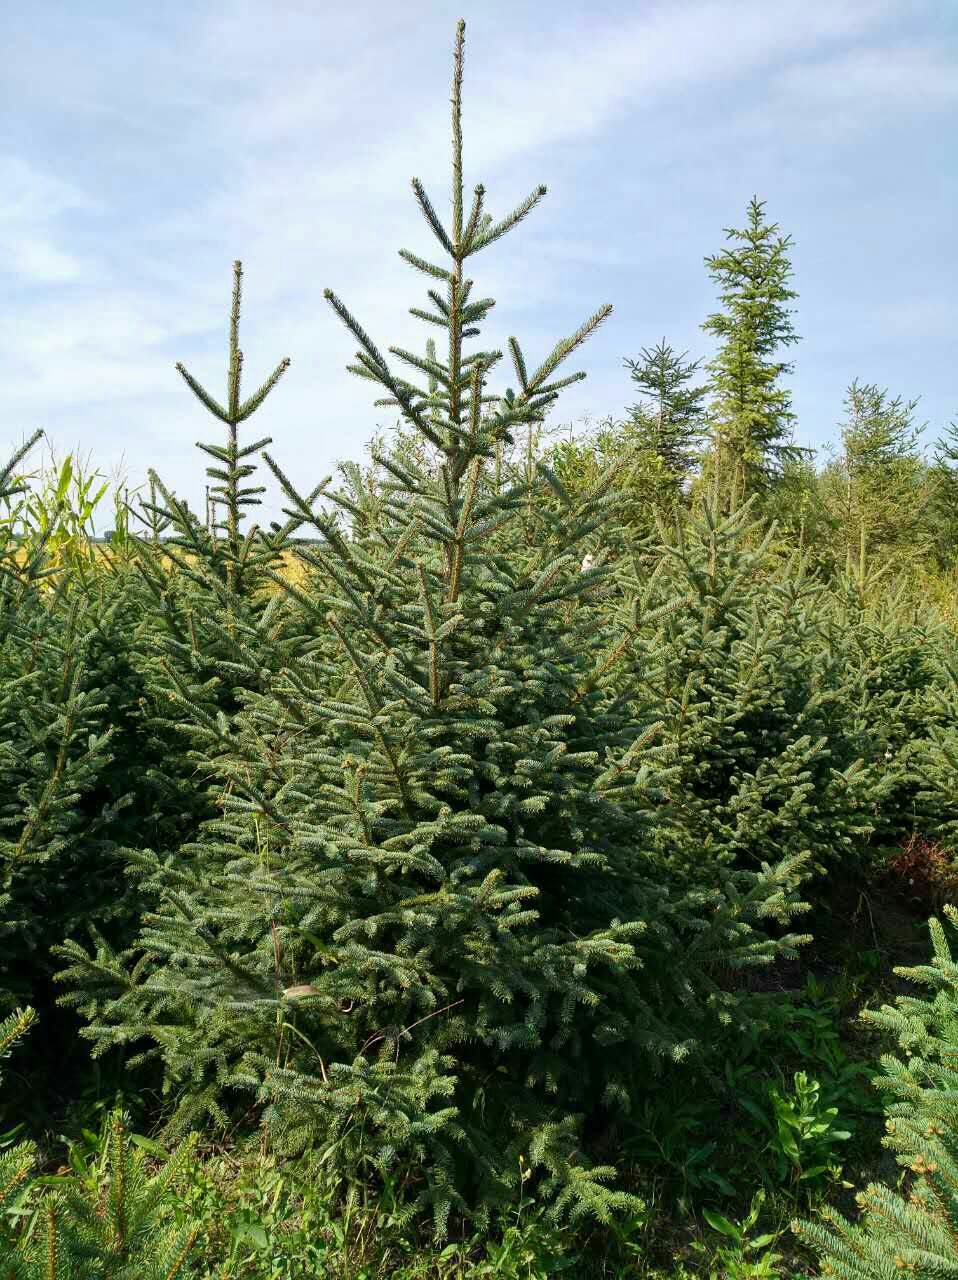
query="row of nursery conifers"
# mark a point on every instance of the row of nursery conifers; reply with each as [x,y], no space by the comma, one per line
[443,850]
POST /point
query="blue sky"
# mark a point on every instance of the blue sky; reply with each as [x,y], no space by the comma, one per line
[143,148]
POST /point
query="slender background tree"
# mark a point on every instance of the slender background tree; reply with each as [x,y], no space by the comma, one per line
[750,408]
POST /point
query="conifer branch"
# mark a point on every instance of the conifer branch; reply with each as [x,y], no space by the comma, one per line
[202,394]
[552,389]
[565,348]
[429,213]
[358,332]
[256,399]
[418,312]
[6,489]
[472,225]
[486,235]
[428,367]
[519,364]
[427,268]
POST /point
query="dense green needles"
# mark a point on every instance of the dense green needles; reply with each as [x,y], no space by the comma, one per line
[468,855]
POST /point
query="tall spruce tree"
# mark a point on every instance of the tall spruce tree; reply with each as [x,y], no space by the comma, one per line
[426,928]
[669,419]
[750,408]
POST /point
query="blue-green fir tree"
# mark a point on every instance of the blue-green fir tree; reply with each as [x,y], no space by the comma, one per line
[895,650]
[430,926]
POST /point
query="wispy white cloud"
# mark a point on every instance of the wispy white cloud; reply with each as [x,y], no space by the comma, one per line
[33,235]
[166,145]
[870,82]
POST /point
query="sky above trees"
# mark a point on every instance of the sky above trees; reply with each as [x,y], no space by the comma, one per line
[143,149]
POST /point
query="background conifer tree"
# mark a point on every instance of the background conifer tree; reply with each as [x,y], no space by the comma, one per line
[876,489]
[669,419]
[750,409]
[650,454]
[933,755]
[891,647]
[614,457]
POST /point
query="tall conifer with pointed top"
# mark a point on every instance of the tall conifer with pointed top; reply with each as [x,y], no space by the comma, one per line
[428,927]
[229,496]
[751,410]
[208,623]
